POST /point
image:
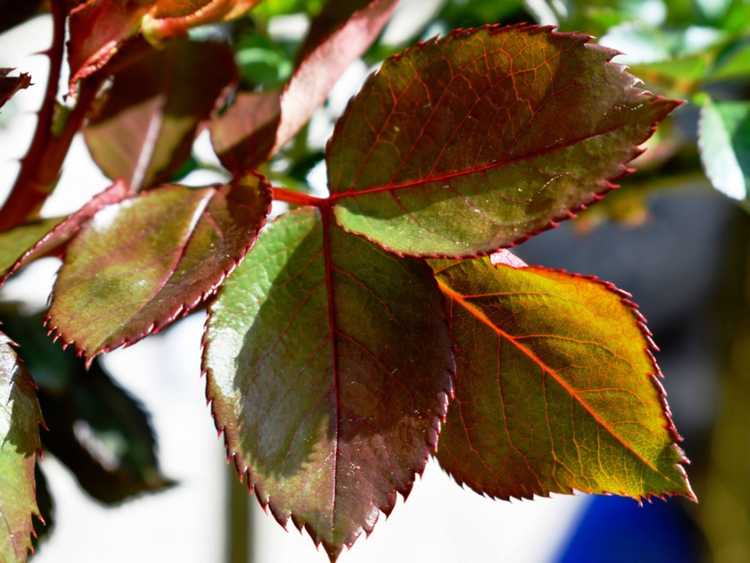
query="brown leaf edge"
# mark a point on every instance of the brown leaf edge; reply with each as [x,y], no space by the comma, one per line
[505,259]
[39,454]
[68,228]
[606,184]
[266,502]
[157,325]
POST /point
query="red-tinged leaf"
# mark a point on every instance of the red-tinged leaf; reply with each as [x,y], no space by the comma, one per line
[556,387]
[140,264]
[258,125]
[169,18]
[145,128]
[99,28]
[24,244]
[329,369]
[463,145]
[20,418]
[9,85]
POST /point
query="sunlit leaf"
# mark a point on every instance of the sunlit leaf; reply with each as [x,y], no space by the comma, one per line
[724,142]
[556,387]
[257,125]
[20,418]
[142,263]
[144,130]
[24,244]
[17,11]
[470,143]
[328,367]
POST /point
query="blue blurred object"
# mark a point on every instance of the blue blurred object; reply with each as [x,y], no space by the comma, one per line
[617,530]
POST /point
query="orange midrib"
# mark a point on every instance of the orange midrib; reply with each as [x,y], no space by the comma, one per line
[481,317]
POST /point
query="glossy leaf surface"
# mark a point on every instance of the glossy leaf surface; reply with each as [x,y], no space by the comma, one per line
[463,145]
[329,369]
[259,124]
[9,85]
[14,243]
[26,243]
[140,264]
[145,129]
[556,387]
[724,141]
[19,443]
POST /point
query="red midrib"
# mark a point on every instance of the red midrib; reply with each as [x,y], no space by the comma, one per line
[481,317]
[395,186]
[325,216]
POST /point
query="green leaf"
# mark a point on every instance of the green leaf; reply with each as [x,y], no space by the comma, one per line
[140,264]
[24,244]
[98,430]
[329,368]
[14,243]
[556,387]
[466,144]
[20,418]
[144,130]
[724,142]
[257,125]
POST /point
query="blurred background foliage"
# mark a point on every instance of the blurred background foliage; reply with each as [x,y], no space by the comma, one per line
[677,234]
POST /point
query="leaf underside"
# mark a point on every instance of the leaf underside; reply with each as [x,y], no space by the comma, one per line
[145,129]
[462,145]
[556,388]
[328,367]
[20,418]
[140,264]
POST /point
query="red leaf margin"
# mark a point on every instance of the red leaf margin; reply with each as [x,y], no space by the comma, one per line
[183,309]
[607,184]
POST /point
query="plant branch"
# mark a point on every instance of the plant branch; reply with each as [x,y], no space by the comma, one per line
[40,168]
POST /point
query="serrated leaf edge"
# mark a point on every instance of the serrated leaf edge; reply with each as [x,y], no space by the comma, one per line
[607,184]
[654,377]
[157,325]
